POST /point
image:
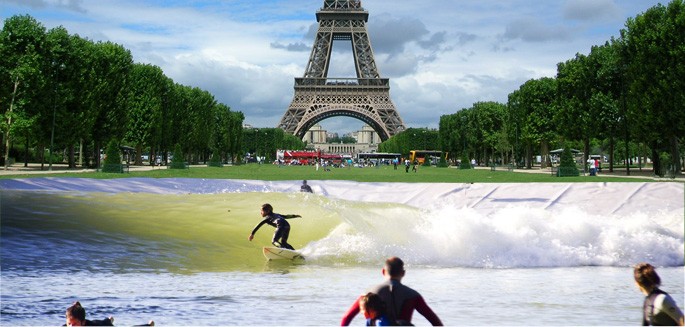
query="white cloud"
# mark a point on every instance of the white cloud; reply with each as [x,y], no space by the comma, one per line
[591,10]
[530,29]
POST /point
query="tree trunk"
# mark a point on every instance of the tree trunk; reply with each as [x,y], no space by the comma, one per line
[42,156]
[640,159]
[72,157]
[656,162]
[26,151]
[139,155]
[9,124]
[544,153]
[586,154]
[675,154]
[96,151]
[80,153]
[611,154]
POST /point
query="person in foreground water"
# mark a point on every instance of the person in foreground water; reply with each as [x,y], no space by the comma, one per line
[373,308]
[659,308]
[400,300]
[76,316]
[282,232]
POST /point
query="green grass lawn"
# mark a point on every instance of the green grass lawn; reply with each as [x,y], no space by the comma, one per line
[380,174]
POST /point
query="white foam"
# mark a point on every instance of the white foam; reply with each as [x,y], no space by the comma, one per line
[515,236]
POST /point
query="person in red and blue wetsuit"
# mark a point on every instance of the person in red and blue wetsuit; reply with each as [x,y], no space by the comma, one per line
[373,308]
[400,300]
[282,232]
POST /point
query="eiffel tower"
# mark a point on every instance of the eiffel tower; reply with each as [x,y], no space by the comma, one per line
[318,97]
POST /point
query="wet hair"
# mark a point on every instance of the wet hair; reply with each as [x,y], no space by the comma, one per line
[394,266]
[373,302]
[267,208]
[304,181]
[646,276]
[76,311]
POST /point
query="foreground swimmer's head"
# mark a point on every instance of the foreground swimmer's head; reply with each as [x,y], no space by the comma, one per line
[394,268]
[646,277]
[372,306]
[76,315]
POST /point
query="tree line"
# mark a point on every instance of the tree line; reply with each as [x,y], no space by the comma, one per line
[625,98]
[62,91]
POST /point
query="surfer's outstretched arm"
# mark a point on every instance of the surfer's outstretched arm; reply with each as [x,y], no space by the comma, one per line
[291,216]
[256,228]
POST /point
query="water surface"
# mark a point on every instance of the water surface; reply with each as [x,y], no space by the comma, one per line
[176,251]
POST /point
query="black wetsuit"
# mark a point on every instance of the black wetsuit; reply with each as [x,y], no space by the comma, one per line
[665,315]
[282,232]
[306,188]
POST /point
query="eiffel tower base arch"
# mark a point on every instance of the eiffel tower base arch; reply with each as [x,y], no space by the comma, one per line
[371,105]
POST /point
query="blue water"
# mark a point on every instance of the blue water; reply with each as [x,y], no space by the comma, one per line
[177,252]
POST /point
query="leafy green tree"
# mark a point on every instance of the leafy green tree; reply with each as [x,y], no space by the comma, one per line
[112,158]
[178,160]
[222,131]
[465,162]
[264,142]
[215,160]
[112,64]
[66,120]
[607,89]
[490,121]
[575,117]
[236,130]
[442,163]
[200,113]
[22,42]
[654,51]
[567,165]
[146,92]
[343,139]
[532,108]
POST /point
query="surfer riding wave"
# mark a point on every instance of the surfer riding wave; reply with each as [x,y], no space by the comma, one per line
[282,232]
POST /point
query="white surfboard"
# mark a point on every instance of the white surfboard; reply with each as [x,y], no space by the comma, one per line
[274,253]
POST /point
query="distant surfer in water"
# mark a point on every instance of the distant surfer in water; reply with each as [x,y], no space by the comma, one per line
[282,232]
[305,187]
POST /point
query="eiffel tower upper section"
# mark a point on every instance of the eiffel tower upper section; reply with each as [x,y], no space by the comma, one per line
[342,20]
[318,97]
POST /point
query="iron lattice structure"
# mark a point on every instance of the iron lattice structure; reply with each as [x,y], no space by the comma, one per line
[318,97]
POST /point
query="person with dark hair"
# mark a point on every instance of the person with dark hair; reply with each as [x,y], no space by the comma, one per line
[659,308]
[400,300]
[280,238]
[305,187]
[373,309]
[76,316]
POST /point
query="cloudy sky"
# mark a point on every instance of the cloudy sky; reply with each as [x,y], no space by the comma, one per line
[440,55]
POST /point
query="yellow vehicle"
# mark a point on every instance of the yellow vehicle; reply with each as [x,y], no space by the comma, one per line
[420,155]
